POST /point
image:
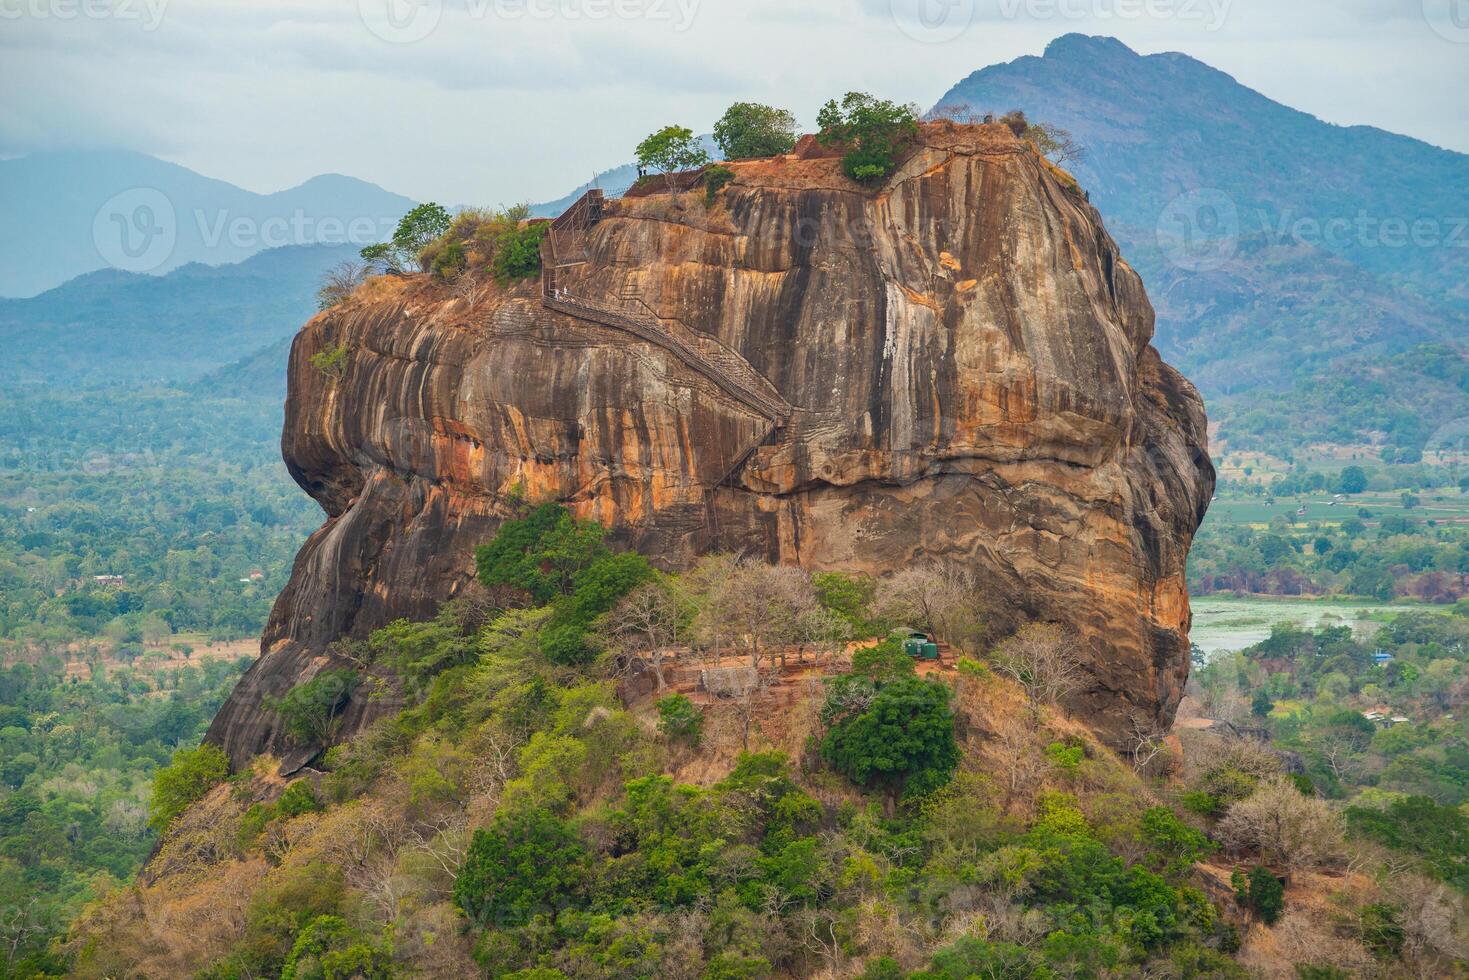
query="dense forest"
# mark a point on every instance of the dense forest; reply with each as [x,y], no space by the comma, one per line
[79,749]
[129,508]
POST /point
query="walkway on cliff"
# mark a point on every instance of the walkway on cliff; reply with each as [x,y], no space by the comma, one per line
[565,244]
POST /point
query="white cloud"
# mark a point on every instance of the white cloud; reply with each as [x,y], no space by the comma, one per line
[498,105]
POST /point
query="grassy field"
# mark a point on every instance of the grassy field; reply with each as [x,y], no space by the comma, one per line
[1444,506]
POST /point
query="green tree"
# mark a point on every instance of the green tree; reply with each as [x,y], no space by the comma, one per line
[748,130]
[1260,703]
[415,231]
[1352,479]
[191,774]
[875,132]
[885,661]
[330,949]
[526,863]
[903,741]
[540,553]
[671,149]
[849,596]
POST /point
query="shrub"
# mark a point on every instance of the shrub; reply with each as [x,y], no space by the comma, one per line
[874,131]
[1261,892]
[678,717]
[191,774]
[308,712]
[331,361]
[1175,845]
[338,283]
[732,966]
[748,130]
[1066,758]
[449,263]
[974,957]
[903,741]
[1380,929]
[1438,835]
[715,178]
[329,949]
[298,798]
[518,252]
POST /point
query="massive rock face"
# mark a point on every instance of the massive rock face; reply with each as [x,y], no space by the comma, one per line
[961,358]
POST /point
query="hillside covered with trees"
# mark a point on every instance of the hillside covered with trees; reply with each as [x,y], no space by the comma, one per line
[530,814]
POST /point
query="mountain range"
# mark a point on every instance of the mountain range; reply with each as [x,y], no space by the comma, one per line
[1311,279]
[64,214]
[113,327]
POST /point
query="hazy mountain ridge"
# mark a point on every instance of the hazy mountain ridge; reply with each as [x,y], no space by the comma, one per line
[1306,277]
[64,214]
[112,327]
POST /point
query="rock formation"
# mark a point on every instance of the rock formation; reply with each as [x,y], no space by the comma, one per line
[955,366]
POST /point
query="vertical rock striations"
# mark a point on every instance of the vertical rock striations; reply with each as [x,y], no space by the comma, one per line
[959,364]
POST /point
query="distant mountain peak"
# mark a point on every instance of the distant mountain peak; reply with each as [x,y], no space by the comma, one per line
[1089,45]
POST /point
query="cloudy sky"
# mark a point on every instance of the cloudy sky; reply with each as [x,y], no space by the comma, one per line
[495,101]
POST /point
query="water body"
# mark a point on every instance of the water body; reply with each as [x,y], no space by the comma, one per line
[1224,624]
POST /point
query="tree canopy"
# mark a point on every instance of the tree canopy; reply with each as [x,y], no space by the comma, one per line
[416,230]
[749,129]
[874,131]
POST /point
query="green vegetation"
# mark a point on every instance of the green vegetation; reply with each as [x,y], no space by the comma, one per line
[525,818]
[550,557]
[79,753]
[680,718]
[874,132]
[748,130]
[331,361]
[715,177]
[191,774]
[670,150]
[415,231]
[1261,892]
[517,252]
[308,711]
[902,740]
[1378,725]
[1378,533]
[1436,834]
[171,495]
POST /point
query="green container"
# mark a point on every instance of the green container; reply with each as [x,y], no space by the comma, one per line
[930,651]
[913,646]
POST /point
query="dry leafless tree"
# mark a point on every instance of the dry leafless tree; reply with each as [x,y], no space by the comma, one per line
[1042,658]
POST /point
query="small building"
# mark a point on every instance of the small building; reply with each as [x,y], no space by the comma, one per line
[729,682]
[109,581]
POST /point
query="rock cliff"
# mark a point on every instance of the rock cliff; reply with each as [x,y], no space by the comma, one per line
[956,365]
